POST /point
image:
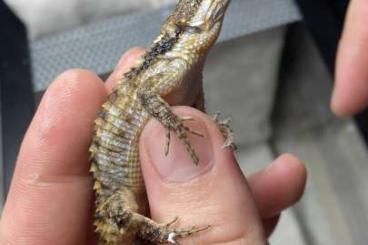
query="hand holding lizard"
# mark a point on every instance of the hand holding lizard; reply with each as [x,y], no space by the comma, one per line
[51,198]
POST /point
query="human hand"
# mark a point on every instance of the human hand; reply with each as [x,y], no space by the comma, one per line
[351,90]
[51,199]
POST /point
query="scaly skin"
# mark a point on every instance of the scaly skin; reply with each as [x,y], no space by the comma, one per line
[168,74]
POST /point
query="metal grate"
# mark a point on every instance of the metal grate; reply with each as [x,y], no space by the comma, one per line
[100,45]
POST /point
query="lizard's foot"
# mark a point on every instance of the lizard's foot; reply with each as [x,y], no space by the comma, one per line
[181,131]
[187,129]
[182,233]
[150,231]
[226,130]
[157,107]
[170,235]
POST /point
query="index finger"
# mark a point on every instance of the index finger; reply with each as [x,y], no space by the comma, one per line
[351,90]
[50,199]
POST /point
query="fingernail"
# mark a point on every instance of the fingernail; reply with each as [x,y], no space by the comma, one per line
[178,166]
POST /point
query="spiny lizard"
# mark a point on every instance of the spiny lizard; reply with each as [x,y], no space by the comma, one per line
[169,73]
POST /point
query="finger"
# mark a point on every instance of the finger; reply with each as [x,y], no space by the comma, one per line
[351,90]
[279,186]
[128,60]
[213,193]
[270,224]
[50,198]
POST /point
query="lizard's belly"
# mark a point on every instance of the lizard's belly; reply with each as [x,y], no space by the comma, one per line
[114,151]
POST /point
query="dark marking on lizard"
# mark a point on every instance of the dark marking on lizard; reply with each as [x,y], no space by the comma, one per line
[163,46]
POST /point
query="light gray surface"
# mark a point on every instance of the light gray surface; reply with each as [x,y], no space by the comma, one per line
[45,17]
[308,82]
[253,158]
[99,46]
[288,230]
[235,86]
[335,206]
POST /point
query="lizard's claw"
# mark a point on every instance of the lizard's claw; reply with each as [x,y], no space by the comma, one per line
[186,118]
[225,129]
[181,131]
[171,234]
[188,129]
[192,131]
[171,238]
[168,224]
[167,145]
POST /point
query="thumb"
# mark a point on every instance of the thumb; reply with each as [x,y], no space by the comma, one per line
[213,193]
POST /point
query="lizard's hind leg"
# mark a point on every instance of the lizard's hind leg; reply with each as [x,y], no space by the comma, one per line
[119,223]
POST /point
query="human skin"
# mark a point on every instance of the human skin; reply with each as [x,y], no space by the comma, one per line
[351,88]
[51,199]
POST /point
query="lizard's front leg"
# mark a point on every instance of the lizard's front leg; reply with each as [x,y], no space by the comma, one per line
[226,130]
[222,125]
[158,108]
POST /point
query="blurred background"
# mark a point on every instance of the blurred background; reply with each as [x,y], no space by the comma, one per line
[271,72]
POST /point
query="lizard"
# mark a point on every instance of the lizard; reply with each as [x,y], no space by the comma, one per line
[169,73]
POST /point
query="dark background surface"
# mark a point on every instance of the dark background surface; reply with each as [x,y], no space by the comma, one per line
[324,19]
[17,103]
